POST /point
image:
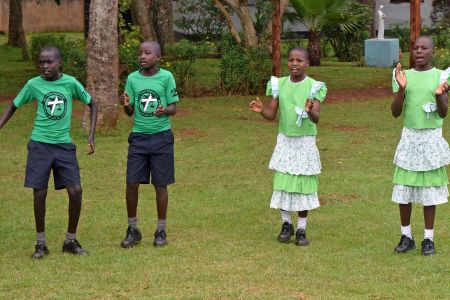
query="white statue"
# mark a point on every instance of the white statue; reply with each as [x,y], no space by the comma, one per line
[381,17]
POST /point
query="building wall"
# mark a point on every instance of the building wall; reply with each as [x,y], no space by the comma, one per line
[399,13]
[46,16]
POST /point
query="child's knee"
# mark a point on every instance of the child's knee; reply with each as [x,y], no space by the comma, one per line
[74,191]
[160,188]
[132,186]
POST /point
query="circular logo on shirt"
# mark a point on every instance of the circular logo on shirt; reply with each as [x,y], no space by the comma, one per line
[55,105]
[148,102]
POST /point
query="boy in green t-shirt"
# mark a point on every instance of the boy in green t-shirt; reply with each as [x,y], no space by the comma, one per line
[150,96]
[50,146]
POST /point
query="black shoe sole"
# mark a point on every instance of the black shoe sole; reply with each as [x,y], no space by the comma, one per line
[130,245]
[284,240]
[405,251]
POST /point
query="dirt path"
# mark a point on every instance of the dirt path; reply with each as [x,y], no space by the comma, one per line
[374,93]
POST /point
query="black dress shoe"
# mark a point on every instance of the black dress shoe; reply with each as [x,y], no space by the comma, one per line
[132,237]
[428,247]
[406,244]
[73,247]
[40,250]
[300,238]
[160,238]
[287,230]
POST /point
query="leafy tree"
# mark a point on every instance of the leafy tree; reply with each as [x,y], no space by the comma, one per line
[440,14]
[315,14]
[16,34]
[349,45]
[199,18]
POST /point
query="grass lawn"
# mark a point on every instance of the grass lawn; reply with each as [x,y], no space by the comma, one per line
[222,235]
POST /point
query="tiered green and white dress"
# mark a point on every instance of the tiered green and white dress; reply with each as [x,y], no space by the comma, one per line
[296,159]
[422,153]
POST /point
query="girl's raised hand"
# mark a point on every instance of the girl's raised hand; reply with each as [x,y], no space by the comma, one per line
[400,76]
[256,105]
[441,89]
[124,99]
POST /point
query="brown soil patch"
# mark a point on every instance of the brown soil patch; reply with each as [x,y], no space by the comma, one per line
[373,93]
[187,132]
[344,128]
[6,98]
[182,112]
[332,199]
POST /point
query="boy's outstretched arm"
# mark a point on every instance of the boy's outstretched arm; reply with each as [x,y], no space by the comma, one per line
[170,110]
[441,94]
[94,110]
[269,112]
[125,101]
[9,112]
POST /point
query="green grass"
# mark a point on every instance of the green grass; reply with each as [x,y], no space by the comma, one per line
[222,235]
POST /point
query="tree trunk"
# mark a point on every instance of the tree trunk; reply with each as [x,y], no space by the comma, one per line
[240,7]
[103,62]
[141,15]
[234,33]
[276,39]
[371,5]
[314,48]
[86,4]
[164,19]
[16,34]
[414,27]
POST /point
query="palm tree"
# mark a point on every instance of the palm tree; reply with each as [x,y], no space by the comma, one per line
[314,14]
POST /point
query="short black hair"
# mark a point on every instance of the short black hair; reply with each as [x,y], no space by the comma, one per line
[303,50]
[50,48]
[155,45]
[426,37]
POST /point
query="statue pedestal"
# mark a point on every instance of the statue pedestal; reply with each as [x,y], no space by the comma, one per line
[381,52]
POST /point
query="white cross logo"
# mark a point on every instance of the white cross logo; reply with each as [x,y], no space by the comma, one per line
[148,100]
[55,102]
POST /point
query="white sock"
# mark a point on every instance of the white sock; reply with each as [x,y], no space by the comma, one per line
[301,223]
[406,230]
[428,234]
[286,216]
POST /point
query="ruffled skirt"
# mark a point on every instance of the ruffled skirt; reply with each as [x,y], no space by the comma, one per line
[420,175]
[296,161]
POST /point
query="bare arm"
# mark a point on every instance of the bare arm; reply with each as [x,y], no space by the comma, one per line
[313,110]
[170,110]
[93,116]
[269,112]
[399,97]
[9,112]
[125,101]
[441,95]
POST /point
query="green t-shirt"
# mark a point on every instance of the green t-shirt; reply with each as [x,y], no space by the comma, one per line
[420,87]
[146,94]
[292,95]
[54,106]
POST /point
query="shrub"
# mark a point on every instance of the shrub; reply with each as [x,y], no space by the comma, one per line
[244,71]
[400,31]
[180,60]
[348,45]
[73,53]
[441,59]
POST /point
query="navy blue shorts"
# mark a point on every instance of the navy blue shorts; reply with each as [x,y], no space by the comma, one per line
[43,157]
[151,154]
